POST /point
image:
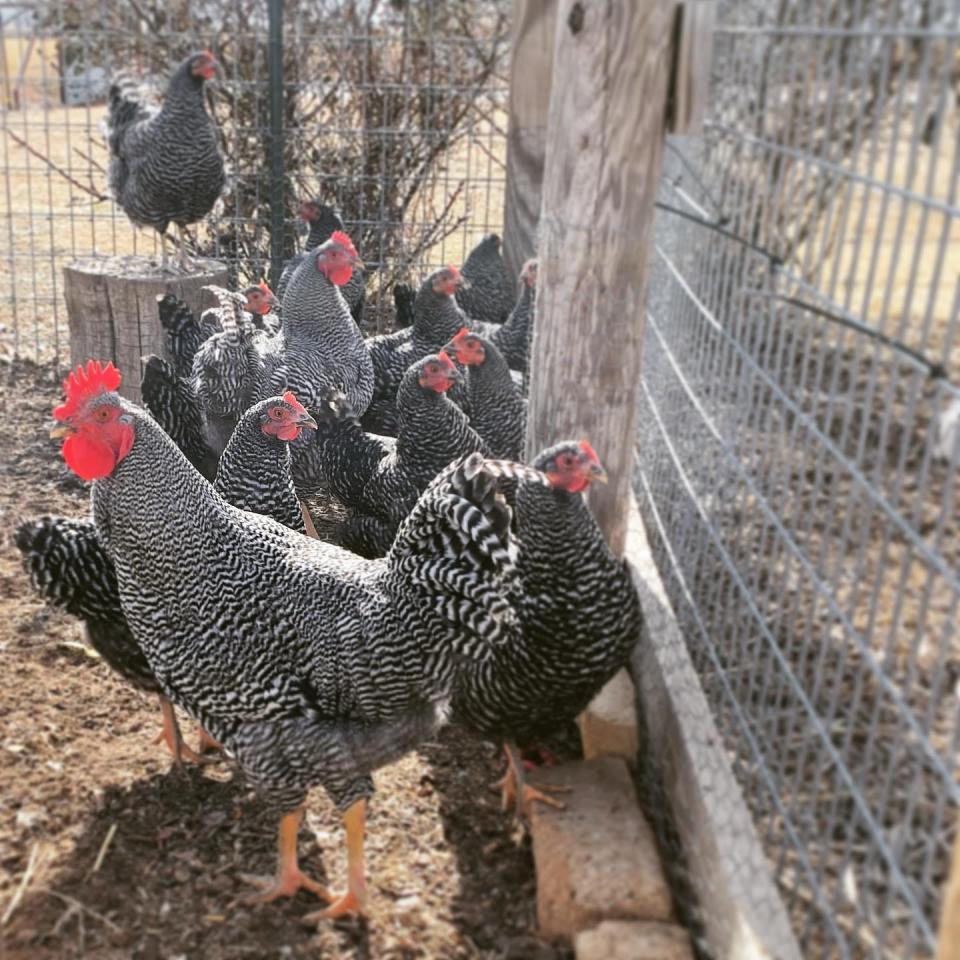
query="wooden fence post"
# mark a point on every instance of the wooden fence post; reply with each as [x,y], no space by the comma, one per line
[608,108]
[531,67]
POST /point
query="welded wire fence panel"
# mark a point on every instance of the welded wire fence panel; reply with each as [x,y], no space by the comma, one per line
[394,111]
[799,455]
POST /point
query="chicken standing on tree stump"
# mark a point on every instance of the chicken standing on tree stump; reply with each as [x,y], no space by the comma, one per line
[165,165]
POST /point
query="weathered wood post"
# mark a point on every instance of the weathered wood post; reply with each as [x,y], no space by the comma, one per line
[607,121]
[531,68]
[608,111]
[112,308]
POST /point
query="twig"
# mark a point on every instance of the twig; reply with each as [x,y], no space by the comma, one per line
[63,173]
[103,849]
[78,905]
[22,887]
[89,159]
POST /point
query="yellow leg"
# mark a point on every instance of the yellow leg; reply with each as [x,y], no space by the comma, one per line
[171,736]
[514,784]
[354,900]
[289,878]
[206,743]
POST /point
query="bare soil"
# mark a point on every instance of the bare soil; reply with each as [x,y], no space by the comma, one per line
[105,852]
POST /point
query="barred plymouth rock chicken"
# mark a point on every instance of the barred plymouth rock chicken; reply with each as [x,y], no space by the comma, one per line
[498,411]
[165,165]
[173,402]
[436,318]
[70,568]
[310,665]
[254,472]
[514,337]
[579,611]
[324,220]
[489,291]
[322,347]
[379,481]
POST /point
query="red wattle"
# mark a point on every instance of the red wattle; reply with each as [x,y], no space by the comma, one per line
[89,458]
[341,275]
[289,431]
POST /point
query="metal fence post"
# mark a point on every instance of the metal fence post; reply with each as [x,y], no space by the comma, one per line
[275,74]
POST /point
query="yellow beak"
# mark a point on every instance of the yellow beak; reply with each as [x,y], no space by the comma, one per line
[61,430]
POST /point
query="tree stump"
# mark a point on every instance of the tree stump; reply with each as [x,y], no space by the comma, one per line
[112,308]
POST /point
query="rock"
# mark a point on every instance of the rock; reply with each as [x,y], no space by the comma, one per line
[596,860]
[633,940]
[608,727]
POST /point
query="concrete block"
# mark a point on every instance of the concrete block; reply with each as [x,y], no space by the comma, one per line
[633,940]
[596,860]
[608,727]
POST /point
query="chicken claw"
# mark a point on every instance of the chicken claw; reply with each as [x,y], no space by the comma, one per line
[354,900]
[514,783]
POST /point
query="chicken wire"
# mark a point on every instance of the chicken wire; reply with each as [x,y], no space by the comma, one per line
[394,111]
[797,460]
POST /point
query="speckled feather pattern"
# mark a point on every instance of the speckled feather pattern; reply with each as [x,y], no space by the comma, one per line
[498,412]
[346,673]
[165,166]
[491,291]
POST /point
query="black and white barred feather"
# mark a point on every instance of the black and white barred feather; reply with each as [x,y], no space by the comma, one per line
[489,295]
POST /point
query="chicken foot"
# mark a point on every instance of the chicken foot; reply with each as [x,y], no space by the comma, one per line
[355,899]
[290,878]
[173,738]
[513,785]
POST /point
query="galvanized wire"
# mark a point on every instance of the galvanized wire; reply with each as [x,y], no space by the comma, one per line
[794,465]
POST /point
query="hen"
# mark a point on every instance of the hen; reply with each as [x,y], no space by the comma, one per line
[324,220]
[436,318]
[322,348]
[579,612]
[498,411]
[70,568]
[514,337]
[314,666]
[165,165]
[488,294]
[381,481]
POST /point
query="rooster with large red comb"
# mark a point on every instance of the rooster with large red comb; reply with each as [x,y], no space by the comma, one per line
[310,665]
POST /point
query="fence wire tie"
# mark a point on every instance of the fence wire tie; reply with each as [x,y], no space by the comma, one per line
[935,371]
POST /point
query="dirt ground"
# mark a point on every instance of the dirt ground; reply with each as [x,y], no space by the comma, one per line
[106,853]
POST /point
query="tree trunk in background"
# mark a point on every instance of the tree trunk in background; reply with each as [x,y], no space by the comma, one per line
[608,108]
[112,309]
[531,67]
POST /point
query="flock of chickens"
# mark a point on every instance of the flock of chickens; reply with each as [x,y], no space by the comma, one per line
[464,588]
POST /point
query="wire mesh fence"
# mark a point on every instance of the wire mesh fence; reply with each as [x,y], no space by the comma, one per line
[796,464]
[395,112]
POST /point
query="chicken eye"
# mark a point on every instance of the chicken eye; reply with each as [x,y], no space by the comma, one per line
[103,414]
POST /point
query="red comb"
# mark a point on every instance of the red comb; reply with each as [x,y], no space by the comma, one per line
[339,237]
[294,402]
[445,359]
[84,383]
[589,451]
[453,269]
[462,335]
[207,53]
[263,286]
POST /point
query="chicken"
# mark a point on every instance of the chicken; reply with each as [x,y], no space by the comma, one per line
[403,299]
[185,334]
[228,371]
[70,568]
[173,402]
[324,220]
[322,347]
[381,482]
[498,411]
[165,165]
[514,337]
[488,294]
[579,612]
[436,318]
[254,472]
[310,665]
